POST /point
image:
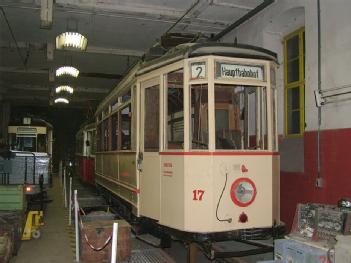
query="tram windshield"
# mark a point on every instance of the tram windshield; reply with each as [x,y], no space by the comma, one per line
[25,143]
[240,117]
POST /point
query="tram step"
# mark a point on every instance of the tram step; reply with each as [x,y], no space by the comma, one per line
[150,239]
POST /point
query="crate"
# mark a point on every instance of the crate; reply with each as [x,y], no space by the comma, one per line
[5,248]
[12,198]
[97,232]
[11,224]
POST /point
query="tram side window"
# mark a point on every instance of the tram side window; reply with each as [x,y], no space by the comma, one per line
[93,142]
[199,116]
[79,144]
[106,134]
[98,137]
[151,119]
[41,143]
[126,128]
[175,110]
[114,131]
[12,140]
[240,113]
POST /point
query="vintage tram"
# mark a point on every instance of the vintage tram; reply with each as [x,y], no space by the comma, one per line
[28,162]
[31,135]
[85,153]
[189,140]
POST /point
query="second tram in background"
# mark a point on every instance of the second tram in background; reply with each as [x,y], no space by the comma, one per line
[28,162]
[85,153]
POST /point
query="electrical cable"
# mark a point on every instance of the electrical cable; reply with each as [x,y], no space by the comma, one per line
[229,220]
[181,18]
[13,37]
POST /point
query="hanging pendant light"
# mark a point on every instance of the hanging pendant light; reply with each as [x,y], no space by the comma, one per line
[64,88]
[61,100]
[67,70]
[71,40]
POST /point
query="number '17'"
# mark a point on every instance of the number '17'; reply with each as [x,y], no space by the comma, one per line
[197,195]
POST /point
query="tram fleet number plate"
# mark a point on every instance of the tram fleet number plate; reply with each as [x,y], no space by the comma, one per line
[198,70]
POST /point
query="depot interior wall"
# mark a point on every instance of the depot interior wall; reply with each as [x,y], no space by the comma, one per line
[268,28]
[299,171]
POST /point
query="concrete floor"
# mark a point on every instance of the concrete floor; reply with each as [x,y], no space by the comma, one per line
[53,246]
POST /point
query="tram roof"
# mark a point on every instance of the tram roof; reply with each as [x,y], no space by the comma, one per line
[185,51]
[190,50]
[86,126]
[34,122]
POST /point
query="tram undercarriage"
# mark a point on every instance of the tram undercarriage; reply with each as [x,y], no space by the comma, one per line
[157,235]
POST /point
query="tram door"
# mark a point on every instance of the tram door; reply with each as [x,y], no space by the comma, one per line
[150,182]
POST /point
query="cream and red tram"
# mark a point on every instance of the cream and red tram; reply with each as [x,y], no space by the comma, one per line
[32,135]
[189,140]
[29,158]
[85,153]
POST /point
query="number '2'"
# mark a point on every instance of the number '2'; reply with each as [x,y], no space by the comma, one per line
[199,69]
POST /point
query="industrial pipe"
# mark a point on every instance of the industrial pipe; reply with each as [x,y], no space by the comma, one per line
[319,180]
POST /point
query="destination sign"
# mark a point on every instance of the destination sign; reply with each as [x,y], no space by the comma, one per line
[226,70]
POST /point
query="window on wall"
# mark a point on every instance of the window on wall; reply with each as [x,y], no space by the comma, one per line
[174,111]
[294,82]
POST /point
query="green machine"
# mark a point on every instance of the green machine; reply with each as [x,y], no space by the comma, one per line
[12,214]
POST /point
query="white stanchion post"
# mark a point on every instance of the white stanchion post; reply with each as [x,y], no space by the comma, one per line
[70,202]
[64,187]
[60,172]
[114,243]
[76,223]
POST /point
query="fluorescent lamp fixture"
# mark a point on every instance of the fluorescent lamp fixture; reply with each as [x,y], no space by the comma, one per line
[71,40]
[61,100]
[64,88]
[67,70]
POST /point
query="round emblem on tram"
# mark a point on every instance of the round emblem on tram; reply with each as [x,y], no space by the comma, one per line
[243,192]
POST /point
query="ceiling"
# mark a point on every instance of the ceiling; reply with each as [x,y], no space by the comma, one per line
[118,33]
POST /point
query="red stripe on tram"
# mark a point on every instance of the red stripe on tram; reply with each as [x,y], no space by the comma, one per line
[221,153]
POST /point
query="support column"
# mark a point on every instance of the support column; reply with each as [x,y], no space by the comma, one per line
[5,112]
